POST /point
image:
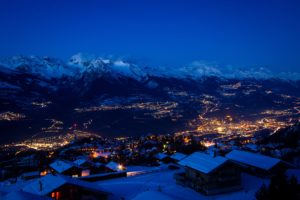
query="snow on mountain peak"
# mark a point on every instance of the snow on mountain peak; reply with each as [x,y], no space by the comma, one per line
[196,70]
[45,66]
[91,66]
[80,59]
[116,68]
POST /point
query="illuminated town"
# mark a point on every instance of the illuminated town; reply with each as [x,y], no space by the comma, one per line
[199,128]
[149,100]
[11,116]
[158,109]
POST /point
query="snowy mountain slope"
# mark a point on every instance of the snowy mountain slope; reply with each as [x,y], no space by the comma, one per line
[44,66]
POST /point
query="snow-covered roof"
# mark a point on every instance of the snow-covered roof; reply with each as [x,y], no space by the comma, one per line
[44,185]
[178,156]
[203,162]
[253,159]
[80,161]
[113,166]
[61,166]
[49,183]
[150,195]
[98,164]
[160,156]
[21,195]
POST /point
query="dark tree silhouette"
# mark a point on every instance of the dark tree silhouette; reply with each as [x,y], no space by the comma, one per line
[280,188]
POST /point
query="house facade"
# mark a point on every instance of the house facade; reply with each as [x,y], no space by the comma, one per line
[209,175]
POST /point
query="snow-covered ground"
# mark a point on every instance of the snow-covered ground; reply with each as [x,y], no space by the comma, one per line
[157,182]
[164,183]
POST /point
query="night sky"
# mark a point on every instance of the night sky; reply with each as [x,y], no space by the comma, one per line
[165,32]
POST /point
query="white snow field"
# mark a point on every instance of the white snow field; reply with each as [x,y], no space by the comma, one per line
[162,185]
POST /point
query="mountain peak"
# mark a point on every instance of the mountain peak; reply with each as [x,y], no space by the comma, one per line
[116,68]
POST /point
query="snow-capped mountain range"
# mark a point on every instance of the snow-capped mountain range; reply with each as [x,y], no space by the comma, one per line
[81,65]
[116,96]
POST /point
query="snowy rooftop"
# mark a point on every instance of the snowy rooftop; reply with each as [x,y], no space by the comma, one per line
[203,162]
[113,166]
[60,166]
[178,156]
[49,183]
[253,159]
[44,185]
[160,156]
[80,161]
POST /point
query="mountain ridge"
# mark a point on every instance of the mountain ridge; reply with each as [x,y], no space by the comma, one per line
[113,97]
[82,64]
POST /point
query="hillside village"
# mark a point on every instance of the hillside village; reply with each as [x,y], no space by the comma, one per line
[155,166]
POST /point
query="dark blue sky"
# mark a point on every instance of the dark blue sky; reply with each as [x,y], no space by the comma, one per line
[165,32]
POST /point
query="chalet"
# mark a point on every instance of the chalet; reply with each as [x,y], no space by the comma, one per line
[210,175]
[89,167]
[114,167]
[255,163]
[62,187]
[176,157]
[66,168]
